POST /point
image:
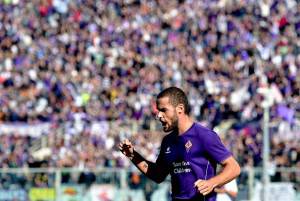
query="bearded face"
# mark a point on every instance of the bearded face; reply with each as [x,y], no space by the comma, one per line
[167,114]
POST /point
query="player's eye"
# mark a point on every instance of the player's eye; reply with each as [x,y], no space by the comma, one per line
[163,110]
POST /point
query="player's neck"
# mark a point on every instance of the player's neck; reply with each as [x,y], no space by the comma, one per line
[184,124]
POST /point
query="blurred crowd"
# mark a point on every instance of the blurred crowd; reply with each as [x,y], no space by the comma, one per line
[71,63]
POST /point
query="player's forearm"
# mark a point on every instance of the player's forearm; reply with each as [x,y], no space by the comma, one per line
[140,162]
[148,168]
[231,170]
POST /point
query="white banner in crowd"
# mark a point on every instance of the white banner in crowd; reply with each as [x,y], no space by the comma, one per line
[276,191]
[11,195]
[103,192]
[24,129]
[281,191]
[35,130]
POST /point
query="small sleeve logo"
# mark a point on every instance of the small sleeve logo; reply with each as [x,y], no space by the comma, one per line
[168,150]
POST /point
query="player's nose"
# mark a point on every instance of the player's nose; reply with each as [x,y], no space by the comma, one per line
[158,115]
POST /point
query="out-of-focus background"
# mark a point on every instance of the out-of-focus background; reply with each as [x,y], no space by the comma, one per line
[78,76]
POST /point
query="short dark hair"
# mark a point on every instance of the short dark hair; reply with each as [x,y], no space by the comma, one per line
[176,97]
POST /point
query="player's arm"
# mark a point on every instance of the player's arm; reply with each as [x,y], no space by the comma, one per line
[218,152]
[231,170]
[150,169]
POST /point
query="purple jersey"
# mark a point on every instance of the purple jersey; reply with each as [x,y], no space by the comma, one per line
[191,156]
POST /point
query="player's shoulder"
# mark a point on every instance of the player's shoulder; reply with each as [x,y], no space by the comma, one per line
[202,129]
[204,133]
[169,137]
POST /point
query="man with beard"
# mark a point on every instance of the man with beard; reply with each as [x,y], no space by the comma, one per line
[189,153]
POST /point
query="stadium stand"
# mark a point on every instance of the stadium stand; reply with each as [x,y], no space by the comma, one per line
[78,76]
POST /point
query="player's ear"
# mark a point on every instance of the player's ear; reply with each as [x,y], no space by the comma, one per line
[180,108]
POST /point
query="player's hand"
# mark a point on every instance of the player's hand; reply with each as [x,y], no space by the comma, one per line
[126,148]
[204,186]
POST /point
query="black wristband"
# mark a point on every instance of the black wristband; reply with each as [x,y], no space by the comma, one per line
[136,157]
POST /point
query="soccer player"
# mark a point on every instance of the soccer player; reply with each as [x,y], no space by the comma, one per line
[189,153]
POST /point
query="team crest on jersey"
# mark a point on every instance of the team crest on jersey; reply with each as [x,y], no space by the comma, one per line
[188,145]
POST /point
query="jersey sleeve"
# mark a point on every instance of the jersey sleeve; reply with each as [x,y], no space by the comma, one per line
[160,161]
[157,171]
[215,148]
